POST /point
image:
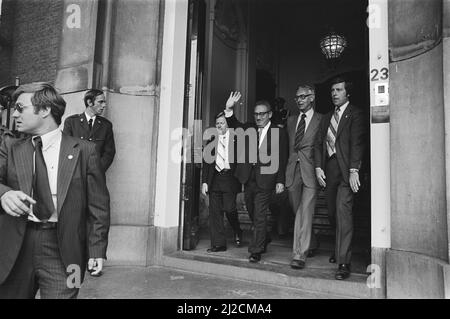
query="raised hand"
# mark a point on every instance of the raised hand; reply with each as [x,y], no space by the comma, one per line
[232,100]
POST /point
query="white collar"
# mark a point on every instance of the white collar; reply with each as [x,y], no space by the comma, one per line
[50,138]
[88,117]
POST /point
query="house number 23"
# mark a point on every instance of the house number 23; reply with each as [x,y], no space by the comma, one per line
[377,75]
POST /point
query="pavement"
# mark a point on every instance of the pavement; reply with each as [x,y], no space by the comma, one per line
[157,282]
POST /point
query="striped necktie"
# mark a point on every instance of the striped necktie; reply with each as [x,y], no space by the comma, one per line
[332,132]
[220,158]
[300,132]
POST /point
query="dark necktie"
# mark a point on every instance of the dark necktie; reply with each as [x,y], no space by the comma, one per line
[44,207]
[300,132]
[90,125]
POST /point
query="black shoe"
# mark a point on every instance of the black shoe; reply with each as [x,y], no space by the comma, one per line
[297,264]
[238,239]
[254,257]
[343,272]
[312,253]
[215,249]
[332,259]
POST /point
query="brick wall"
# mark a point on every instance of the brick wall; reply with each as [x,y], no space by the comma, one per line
[36,34]
[6,30]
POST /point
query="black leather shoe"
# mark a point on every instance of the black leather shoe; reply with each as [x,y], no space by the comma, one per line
[332,259]
[215,249]
[312,253]
[297,264]
[254,258]
[343,272]
[238,239]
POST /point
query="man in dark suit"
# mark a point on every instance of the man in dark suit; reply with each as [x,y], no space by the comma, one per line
[55,204]
[300,175]
[338,154]
[261,167]
[91,126]
[221,185]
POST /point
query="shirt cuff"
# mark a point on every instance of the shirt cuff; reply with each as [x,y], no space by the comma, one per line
[228,113]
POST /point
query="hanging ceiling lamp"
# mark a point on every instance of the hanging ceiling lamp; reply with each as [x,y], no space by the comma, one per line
[332,45]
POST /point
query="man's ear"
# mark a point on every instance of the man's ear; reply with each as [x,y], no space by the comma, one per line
[45,112]
[89,102]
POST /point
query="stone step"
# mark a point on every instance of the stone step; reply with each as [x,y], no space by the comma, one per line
[311,280]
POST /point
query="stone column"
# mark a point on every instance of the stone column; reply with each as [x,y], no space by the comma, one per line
[418,186]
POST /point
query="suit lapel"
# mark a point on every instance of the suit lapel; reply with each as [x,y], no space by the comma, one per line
[68,158]
[97,124]
[23,160]
[84,123]
[312,127]
[344,120]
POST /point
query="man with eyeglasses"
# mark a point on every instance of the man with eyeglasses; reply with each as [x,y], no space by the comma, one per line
[339,151]
[261,167]
[54,217]
[93,127]
[300,174]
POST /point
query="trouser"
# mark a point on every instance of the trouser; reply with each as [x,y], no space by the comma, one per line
[339,197]
[282,212]
[303,201]
[38,267]
[257,201]
[222,199]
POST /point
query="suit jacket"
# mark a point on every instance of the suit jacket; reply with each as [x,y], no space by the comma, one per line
[82,200]
[209,169]
[102,135]
[350,141]
[305,156]
[267,174]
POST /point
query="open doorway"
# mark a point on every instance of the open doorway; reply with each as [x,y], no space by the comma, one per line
[265,49]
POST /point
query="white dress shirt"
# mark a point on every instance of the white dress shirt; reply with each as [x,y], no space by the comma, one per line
[342,110]
[309,114]
[263,133]
[51,145]
[88,117]
[225,140]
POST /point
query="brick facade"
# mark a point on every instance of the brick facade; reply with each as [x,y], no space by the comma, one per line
[34,29]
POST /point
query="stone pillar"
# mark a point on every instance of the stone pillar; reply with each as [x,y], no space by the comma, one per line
[446,58]
[114,45]
[167,197]
[133,101]
[419,238]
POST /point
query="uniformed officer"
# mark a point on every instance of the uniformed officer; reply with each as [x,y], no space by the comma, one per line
[90,125]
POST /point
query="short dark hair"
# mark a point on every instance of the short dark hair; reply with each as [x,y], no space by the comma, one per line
[347,84]
[220,114]
[44,96]
[91,95]
[265,103]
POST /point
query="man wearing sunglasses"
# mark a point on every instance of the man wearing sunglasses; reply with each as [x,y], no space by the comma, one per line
[54,217]
[261,167]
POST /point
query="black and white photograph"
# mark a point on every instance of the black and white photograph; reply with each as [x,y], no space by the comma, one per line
[226,155]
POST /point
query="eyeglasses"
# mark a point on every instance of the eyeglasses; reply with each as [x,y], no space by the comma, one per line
[256,114]
[19,107]
[301,97]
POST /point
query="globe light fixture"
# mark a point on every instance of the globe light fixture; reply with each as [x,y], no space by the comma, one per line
[333,45]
